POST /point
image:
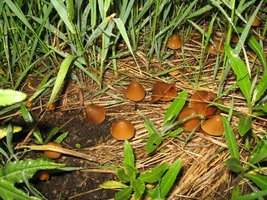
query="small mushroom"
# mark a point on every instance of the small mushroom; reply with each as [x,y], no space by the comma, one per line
[43,176]
[51,107]
[122,130]
[135,91]
[256,22]
[213,126]
[200,101]
[215,51]
[163,92]
[95,113]
[234,38]
[52,154]
[174,73]
[175,42]
[192,123]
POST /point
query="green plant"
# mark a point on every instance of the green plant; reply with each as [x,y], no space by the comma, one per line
[169,122]
[162,177]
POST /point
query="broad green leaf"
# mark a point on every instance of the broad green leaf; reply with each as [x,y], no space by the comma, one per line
[234,165]
[252,196]
[64,67]
[113,185]
[138,186]
[153,175]
[260,88]
[3,130]
[240,71]
[257,48]
[63,13]
[262,107]
[127,174]
[259,180]
[61,137]
[259,153]
[128,155]
[167,180]
[123,176]
[244,125]
[153,142]
[124,194]
[12,171]
[176,132]
[174,109]
[230,139]
[236,191]
[9,191]
[150,127]
[9,97]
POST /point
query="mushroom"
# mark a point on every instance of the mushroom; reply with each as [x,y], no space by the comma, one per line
[175,42]
[256,21]
[52,154]
[215,51]
[135,91]
[122,130]
[43,176]
[95,113]
[51,107]
[213,126]
[200,101]
[163,92]
[174,73]
[192,123]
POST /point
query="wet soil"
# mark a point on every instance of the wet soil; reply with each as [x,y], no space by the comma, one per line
[77,184]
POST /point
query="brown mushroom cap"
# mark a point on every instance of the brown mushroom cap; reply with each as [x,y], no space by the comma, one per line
[200,101]
[213,126]
[212,50]
[163,91]
[135,91]
[122,130]
[256,21]
[43,176]
[52,154]
[175,42]
[192,123]
[95,113]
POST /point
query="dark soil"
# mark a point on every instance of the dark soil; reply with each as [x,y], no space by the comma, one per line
[79,184]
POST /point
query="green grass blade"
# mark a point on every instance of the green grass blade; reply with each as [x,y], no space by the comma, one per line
[9,97]
[230,139]
[62,11]
[64,67]
[240,71]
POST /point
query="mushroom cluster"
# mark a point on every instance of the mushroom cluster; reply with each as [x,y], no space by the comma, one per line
[123,129]
[201,109]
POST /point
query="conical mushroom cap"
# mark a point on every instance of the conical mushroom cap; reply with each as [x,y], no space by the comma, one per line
[256,21]
[213,126]
[212,50]
[95,113]
[175,42]
[192,123]
[163,91]
[122,130]
[200,101]
[135,91]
